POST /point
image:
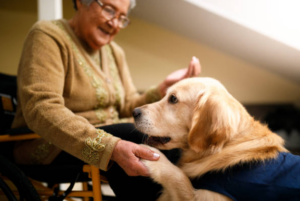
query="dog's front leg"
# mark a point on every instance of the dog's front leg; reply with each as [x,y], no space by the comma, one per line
[176,185]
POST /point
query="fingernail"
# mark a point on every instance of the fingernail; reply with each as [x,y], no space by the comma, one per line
[155,155]
[194,59]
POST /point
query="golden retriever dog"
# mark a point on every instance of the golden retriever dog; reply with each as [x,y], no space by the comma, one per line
[216,134]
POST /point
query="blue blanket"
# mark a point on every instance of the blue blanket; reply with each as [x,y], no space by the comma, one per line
[272,180]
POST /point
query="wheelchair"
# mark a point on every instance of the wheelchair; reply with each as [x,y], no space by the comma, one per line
[27,182]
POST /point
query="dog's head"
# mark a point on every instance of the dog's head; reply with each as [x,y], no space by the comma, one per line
[196,113]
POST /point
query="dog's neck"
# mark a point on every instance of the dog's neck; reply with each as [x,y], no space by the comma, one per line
[243,148]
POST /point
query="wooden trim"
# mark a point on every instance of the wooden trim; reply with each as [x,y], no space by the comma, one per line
[7,138]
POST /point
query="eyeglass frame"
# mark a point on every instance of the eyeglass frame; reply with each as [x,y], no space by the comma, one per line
[120,25]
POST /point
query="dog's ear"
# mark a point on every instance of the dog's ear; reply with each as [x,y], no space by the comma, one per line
[215,121]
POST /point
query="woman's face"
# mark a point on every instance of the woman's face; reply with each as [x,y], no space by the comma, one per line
[95,29]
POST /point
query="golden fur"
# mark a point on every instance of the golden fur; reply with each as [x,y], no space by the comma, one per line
[211,127]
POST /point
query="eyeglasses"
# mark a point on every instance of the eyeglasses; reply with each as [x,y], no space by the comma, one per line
[109,13]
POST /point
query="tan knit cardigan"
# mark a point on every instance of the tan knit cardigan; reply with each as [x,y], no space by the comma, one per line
[65,89]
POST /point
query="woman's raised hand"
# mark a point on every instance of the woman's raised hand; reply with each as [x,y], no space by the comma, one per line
[192,70]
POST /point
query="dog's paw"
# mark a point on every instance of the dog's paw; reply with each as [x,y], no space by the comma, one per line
[160,168]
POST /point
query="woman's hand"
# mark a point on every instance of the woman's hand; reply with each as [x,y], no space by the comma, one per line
[193,70]
[128,155]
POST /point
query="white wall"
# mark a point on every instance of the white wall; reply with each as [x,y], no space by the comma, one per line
[275,18]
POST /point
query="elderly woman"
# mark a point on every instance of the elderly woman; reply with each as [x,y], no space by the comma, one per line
[73,81]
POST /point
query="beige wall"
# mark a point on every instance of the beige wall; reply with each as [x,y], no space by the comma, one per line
[152,52]
[16,18]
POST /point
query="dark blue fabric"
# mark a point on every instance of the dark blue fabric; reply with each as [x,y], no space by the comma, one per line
[275,180]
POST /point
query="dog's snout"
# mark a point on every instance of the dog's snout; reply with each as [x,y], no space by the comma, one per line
[136,113]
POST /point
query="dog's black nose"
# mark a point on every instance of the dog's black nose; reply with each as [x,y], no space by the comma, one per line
[136,113]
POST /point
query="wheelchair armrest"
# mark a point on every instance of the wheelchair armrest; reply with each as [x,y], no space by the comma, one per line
[18,134]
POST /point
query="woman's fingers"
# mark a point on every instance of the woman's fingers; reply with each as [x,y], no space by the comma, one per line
[128,155]
[196,67]
[145,153]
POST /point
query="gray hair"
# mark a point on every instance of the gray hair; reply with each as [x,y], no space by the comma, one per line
[88,2]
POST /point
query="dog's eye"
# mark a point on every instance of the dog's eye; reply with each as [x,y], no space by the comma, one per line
[173,99]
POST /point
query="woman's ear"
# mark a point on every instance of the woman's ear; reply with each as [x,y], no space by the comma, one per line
[214,122]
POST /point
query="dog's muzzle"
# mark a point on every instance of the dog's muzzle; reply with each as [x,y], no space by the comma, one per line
[136,113]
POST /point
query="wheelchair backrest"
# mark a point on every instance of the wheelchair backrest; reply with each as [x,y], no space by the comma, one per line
[8,101]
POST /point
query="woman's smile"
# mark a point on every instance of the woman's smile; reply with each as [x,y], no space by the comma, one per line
[104,31]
